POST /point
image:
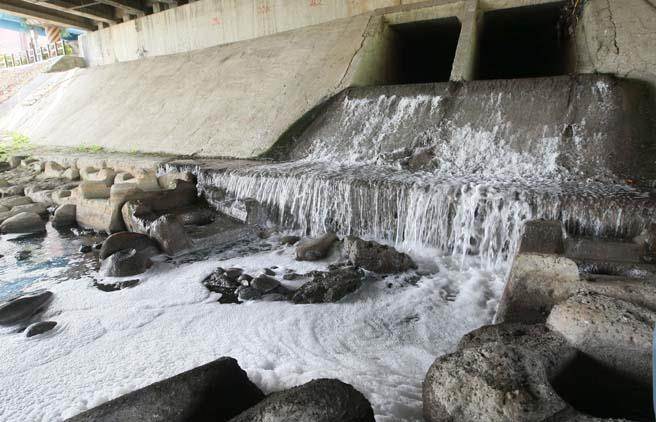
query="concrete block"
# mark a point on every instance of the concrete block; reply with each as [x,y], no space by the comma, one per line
[543,236]
[94,190]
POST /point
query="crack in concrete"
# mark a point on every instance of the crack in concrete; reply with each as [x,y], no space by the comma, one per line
[612,22]
[348,67]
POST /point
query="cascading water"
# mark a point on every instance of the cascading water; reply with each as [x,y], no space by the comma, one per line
[398,164]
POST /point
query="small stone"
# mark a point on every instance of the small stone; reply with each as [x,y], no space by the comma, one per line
[269,271]
[248,293]
[23,255]
[375,257]
[85,248]
[112,287]
[315,249]
[289,240]
[233,273]
[39,328]
[125,263]
[264,283]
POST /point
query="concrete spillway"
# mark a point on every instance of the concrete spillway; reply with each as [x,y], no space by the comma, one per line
[457,167]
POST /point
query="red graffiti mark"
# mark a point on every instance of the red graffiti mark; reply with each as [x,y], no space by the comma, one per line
[314,3]
[216,21]
[263,9]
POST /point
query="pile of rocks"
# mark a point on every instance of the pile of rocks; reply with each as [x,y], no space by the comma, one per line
[221,391]
[570,343]
[359,259]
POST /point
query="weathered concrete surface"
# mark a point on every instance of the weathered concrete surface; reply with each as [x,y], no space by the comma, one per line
[233,100]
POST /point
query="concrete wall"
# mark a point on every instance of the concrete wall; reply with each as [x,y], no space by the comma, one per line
[232,100]
[208,23]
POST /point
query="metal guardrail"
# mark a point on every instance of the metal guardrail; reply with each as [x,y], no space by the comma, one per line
[33,55]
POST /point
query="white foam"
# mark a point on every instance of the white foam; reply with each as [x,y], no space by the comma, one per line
[380,339]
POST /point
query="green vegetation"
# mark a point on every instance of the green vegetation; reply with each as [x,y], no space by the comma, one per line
[17,144]
[93,149]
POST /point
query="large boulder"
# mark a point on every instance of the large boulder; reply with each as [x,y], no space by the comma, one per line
[64,216]
[611,331]
[315,249]
[501,373]
[320,400]
[124,240]
[23,307]
[14,201]
[214,392]
[25,222]
[125,263]
[170,234]
[375,257]
[329,286]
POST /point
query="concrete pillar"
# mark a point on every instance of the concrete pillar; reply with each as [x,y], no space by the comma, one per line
[464,63]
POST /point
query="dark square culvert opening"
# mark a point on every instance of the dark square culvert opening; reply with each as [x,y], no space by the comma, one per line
[596,390]
[523,42]
[425,50]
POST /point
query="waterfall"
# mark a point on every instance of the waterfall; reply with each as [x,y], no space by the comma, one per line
[358,169]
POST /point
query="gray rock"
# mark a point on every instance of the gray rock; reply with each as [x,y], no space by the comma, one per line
[125,263]
[245,279]
[64,216]
[233,273]
[502,373]
[39,328]
[248,293]
[329,286]
[112,287]
[138,216]
[320,400]
[315,249]
[543,236]
[86,248]
[169,233]
[25,222]
[12,190]
[375,257]
[289,240]
[23,307]
[264,283]
[35,208]
[23,255]
[614,332]
[124,240]
[216,391]
[421,159]
[197,217]
[273,297]
[269,271]
[14,201]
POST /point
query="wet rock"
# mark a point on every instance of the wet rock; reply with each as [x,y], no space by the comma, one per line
[14,201]
[216,391]
[168,180]
[245,279]
[124,240]
[98,246]
[273,297]
[421,159]
[292,276]
[33,208]
[248,293]
[500,374]
[64,216]
[170,234]
[16,190]
[138,216]
[113,287]
[327,400]
[375,257]
[23,307]
[614,332]
[125,263]
[219,280]
[23,255]
[39,328]
[329,286]
[315,249]
[264,283]
[197,217]
[25,222]
[86,248]
[233,273]
[543,236]
[289,240]
[269,271]
[94,190]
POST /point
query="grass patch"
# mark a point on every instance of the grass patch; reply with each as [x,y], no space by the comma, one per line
[93,149]
[17,144]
